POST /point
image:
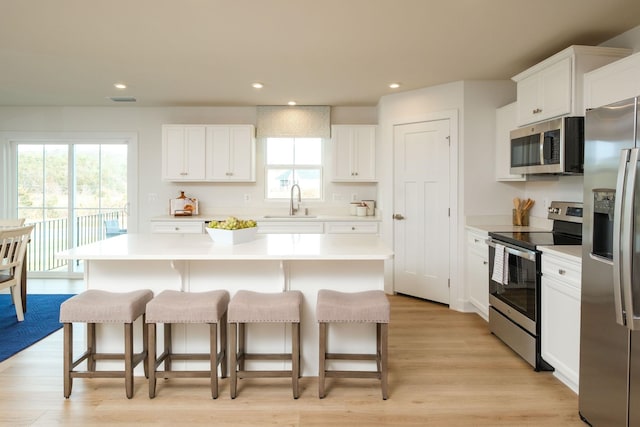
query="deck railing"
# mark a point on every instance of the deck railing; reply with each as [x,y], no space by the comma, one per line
[52,236]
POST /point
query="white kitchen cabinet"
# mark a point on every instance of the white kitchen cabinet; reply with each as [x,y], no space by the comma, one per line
[290,226]
[230,153]
[554,87]
[560,316]
[506,121]
[177,227]
[614,82]
[183,148]
[354,227]
[354,153]
[477,271]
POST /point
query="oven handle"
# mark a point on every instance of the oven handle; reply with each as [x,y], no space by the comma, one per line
[521,253]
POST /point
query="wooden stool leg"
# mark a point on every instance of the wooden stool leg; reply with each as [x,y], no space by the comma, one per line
[321,357]
[233,330]
[91,346]
[241,345]
[384,338]
[213,358]
[151,362]
[68,358]
[295,358]
[128,359]
[167,346]
[223,345]
[145,346]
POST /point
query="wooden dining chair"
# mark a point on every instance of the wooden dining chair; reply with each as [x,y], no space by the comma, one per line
[13,247]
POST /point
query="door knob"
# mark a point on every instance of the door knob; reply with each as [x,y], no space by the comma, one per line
[398,216]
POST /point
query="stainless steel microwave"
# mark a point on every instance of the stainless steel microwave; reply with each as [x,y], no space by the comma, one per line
[551,147]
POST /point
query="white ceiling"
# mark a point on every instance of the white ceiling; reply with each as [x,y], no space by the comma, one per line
[316,52]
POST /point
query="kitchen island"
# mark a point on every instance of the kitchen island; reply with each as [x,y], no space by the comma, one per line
[270,263]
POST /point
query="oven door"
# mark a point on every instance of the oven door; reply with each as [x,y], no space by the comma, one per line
[517,298]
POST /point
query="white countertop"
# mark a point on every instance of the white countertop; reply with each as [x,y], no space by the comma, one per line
[201,247]
[488,228]
[268,218]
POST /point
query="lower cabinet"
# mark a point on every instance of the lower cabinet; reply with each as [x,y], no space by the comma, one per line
[560,317]
[477,271]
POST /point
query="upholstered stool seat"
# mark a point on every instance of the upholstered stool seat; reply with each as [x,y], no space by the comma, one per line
[360,307]
[171,307]
[96,306]
[256,307]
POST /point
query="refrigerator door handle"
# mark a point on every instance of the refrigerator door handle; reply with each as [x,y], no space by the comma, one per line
[633,322]
[617,238]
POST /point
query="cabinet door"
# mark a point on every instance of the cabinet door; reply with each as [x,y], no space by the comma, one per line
[546,94]
[556,89]
[242,153]
[560,329]
[364,153]
[353,152]
[183,149]
[505,123]
[230,153]
[477,273]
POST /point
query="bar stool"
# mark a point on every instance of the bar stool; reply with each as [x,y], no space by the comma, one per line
[255,307]
[362,307]
[171,307]
[96,306]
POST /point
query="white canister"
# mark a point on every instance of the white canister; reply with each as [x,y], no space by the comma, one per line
[353,209]
[361,211]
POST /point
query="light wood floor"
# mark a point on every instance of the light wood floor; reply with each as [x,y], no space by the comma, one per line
[446,369]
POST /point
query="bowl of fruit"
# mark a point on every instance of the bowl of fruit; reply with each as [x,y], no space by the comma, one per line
[232,231]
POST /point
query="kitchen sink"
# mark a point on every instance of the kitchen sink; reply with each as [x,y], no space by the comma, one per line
[288,216]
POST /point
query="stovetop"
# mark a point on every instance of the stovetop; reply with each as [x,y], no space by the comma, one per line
[532,239]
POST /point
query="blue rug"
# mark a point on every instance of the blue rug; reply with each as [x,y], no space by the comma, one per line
[40,320]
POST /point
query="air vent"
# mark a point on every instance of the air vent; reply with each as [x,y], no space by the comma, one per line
[122,98]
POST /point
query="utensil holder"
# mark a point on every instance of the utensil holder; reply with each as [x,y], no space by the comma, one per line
[519,217]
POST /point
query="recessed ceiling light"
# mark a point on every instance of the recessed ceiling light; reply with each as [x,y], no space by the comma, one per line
[394,85]
[257,85]
[291,103]
[120,85]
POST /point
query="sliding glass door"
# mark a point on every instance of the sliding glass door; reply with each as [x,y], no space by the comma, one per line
[75,193]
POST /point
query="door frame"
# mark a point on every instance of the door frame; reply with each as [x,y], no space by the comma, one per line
[456,289]
[9,141]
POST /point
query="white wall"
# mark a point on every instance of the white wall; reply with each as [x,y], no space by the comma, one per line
[146,122]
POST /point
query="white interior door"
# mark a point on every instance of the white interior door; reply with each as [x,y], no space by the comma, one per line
[421,210]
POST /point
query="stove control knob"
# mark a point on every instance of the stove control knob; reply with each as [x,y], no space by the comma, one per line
[554,210]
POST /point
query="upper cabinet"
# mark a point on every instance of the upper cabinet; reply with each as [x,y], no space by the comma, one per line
[554,87]
[612,83]
[215,153]
[183,149]
[231,153]
[505,123]
[354,155]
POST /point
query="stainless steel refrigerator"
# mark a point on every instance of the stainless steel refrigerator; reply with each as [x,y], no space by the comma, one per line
[610,314]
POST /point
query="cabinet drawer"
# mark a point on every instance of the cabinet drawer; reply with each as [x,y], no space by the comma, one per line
[352,227]
[177,227]
[290,227]
[561,269]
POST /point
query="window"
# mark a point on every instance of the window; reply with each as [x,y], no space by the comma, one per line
[293,161]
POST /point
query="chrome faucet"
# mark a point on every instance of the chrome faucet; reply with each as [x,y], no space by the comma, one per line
[292,210]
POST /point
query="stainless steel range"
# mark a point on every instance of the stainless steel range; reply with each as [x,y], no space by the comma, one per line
[514,290]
